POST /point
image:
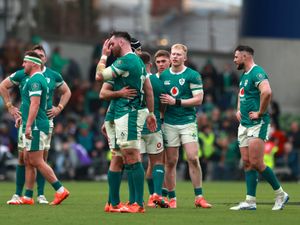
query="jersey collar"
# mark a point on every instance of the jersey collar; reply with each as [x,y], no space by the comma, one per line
[250,69]
[184,68]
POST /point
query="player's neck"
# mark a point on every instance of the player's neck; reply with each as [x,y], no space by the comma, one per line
[249,66]
[177,69]
[34,71]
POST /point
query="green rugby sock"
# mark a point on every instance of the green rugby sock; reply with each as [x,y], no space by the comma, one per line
[270,177]
[28,193]
[40,180]
[158,173]
[164,192]
[251,177]
[198,191]
[114,181]
[172,194]
[20,179]
[150,185]
[56,185]
[130,184]
[138,176]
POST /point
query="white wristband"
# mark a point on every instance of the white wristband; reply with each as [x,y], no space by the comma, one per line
[104,57]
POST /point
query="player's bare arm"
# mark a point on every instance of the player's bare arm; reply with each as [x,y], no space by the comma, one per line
[265,98]
[5,85]
[194,101]
[65,95]
[151,119]
[107,92]
[101,71]
[238,112]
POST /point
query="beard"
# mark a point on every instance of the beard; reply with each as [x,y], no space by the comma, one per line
[241,66]
[116,51]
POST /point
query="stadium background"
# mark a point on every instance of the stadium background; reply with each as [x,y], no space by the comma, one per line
[72,32]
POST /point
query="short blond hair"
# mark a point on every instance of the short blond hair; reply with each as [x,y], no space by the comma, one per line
[180,46]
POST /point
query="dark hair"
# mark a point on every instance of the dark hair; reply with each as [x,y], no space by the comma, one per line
[32,53]
[160,53]
[146,57]
[245,48]
[38,47]
[121,34]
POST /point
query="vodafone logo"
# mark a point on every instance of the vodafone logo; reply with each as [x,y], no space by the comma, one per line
[174,91]
[242,92]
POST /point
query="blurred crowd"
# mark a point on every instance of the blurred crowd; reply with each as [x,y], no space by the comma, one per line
[80,151]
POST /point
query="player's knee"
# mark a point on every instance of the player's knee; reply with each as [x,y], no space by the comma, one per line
[246,164]
[171,163]
[194,161]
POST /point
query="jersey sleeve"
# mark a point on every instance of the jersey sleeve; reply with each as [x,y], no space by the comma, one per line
[259,77]
[58,80]
[196,85]
[34,87]
[17,77]
[120,67]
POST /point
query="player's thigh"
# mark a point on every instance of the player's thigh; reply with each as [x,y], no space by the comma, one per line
[153,143]
[188,133]
[256,151]
[38,141]
[242,136]
[111,134]
[171,135]
[191,149]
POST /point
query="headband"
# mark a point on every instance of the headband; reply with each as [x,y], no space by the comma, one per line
[33,59]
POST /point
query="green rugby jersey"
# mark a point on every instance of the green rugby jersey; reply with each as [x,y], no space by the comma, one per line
[54,80]
[130,71]
[250,95]
[158,89]
[181,86]
[36,86]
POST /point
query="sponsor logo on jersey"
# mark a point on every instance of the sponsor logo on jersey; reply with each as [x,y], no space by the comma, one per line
[242,92]
[166,82]
[48,80]
[246,82]
[181,81]
[174,91]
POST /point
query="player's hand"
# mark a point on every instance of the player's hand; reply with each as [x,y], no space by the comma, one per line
[238,116]
[14,111]
[18,122]
[128,93]
[167,99]
[254,115]
[106,49]
[103,131]
[51,113]
[151,122]
[28,133]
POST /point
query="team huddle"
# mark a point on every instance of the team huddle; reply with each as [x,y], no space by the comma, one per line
[152,114]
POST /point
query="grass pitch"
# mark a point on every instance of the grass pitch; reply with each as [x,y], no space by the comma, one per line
[86,202]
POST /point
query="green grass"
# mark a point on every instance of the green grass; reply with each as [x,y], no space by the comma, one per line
[86,202]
